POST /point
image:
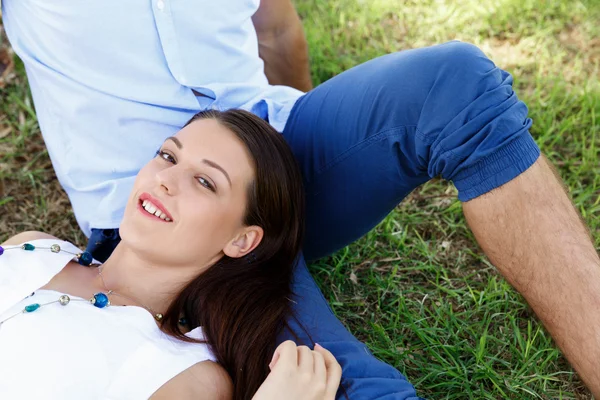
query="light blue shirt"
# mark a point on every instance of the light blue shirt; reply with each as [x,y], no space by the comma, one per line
[112,79]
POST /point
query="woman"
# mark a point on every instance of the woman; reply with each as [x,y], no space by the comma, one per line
[210,234]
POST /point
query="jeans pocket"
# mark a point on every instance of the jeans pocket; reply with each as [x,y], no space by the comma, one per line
[102,242]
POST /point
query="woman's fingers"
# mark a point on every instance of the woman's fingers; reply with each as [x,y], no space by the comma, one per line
[285,354]
[305,361]
[334,371]
[320,369]
[274,360]
[301,373]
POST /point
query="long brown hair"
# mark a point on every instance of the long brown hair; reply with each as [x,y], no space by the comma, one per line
[242,304]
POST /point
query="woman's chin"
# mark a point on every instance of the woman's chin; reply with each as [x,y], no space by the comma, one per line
[139,238]
[141,234]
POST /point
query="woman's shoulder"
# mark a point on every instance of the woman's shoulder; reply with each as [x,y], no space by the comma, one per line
[44,240]
[27,236]
[22,272]
[204,380]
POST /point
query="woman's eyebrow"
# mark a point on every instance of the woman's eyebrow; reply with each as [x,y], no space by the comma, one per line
[217,166]
[176,141]
[207,162]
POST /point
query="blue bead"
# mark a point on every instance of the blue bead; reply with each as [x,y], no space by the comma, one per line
[100,300]
[31,307]
[1,250]
[85,258]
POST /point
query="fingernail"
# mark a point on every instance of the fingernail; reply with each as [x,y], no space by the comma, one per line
[318,345]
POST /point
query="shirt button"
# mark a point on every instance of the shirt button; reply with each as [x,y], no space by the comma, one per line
[160,4]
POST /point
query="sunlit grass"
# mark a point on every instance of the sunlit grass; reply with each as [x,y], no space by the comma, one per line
[437,309]
[416,289]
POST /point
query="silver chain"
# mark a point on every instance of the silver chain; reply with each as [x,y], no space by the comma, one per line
[157,316]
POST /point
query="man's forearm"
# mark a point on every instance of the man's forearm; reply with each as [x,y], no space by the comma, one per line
[286,58]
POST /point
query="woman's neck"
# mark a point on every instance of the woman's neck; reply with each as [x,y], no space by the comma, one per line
[136,280]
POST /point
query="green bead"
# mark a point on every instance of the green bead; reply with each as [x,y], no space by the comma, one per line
[31,307]
[28,247]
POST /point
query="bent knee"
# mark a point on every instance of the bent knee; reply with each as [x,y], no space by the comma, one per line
[463,57]
[463,74]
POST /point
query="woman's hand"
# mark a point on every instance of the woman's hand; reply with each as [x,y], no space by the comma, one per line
[299,373]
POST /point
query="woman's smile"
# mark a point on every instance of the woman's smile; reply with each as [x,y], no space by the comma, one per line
[146,207]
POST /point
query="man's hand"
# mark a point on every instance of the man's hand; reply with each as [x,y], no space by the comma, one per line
[282,45]
[299,373]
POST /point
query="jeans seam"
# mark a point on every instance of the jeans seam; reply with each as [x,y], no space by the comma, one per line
[369,140]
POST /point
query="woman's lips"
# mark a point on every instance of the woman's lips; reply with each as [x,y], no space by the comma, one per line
[147,214]
[156,202]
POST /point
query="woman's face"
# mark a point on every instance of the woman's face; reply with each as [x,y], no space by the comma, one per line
[198,183]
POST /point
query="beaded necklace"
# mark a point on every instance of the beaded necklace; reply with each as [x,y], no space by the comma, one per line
[99,300]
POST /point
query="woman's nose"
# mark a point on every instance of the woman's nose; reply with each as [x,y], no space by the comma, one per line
[167,181]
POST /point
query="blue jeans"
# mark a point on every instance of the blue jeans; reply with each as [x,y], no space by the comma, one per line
[368,137]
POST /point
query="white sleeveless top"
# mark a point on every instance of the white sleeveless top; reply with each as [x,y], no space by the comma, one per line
[79,351]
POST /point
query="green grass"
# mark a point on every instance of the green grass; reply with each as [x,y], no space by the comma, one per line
[417,289]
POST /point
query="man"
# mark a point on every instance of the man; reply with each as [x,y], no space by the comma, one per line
[114,75]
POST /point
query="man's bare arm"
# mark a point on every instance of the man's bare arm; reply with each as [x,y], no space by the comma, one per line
[282,44]
[532,233]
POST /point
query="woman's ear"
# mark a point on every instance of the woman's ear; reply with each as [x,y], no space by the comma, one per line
[246,241]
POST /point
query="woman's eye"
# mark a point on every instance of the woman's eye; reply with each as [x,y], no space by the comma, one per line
[169,158]
[206,184]
[165,156]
